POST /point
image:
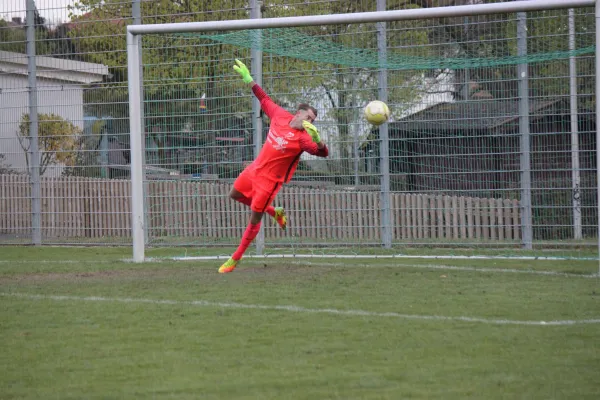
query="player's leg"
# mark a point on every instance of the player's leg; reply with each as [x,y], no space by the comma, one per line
[242,191]
[260,202]
[249,234]
[251,231]
[278,213]
[239,197]
[272,211]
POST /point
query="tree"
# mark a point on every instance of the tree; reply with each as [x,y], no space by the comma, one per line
[58,140]
[174,79]
[12,38]
[63,46]
[185,66]
[347,87]
[99,30]
[494,36]
[548,32]
[6,169]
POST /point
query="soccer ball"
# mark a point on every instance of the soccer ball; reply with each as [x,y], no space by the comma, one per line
[377,112]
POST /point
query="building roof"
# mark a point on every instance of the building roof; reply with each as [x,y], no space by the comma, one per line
[476,115]
[53,68]
[15,22]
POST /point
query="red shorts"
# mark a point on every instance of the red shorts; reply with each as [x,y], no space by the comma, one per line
[260,191]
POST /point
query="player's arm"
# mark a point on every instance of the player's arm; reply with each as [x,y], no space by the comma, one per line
[312,142]
[267,105]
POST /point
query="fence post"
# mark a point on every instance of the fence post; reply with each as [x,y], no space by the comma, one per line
[575,174]
[526,214]
[597,16]
[34,172]
[257,126]
[386,232]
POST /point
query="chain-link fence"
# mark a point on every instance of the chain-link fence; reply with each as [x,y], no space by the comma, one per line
[491,142]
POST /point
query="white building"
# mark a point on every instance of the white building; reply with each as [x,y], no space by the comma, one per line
[60,85]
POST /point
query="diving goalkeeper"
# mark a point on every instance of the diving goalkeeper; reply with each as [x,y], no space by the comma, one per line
[289,136]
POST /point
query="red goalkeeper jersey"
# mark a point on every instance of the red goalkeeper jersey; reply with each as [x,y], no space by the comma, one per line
[281,152]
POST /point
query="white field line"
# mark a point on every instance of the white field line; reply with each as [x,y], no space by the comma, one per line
[58,261]
[384,256]
[297,309]
[250,259]
[450,268]
[257,259]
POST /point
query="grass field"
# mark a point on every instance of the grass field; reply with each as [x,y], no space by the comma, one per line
[81,323]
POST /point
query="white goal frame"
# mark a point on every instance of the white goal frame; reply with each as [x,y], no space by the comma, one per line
[134,33]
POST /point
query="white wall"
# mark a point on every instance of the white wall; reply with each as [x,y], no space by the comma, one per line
[54,97]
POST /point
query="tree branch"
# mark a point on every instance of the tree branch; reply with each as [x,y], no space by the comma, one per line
[328,93]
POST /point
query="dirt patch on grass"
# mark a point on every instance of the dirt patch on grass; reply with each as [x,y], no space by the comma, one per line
[279,270]
[80,276]
[204,273]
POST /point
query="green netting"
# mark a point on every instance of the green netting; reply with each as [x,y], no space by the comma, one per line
[293,43]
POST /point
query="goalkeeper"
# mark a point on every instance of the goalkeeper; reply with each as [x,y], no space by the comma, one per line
[289,136]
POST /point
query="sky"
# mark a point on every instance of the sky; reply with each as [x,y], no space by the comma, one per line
[55,11]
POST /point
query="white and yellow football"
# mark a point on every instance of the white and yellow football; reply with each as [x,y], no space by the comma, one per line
[377,112]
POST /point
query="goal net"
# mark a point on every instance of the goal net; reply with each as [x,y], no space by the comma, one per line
[490,150]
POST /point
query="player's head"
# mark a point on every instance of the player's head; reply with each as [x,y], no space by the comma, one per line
[304,112]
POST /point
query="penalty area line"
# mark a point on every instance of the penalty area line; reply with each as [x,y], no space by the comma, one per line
[303,310]
[451,268]
[382,256]
[295,261]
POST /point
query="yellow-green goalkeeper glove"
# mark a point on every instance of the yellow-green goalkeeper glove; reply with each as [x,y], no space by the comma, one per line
[243,71]
[312,131]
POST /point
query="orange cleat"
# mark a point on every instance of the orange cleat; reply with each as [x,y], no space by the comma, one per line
[228,266]
[280,217]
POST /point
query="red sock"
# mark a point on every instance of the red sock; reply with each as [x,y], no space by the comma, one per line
[271,211]
[249,235]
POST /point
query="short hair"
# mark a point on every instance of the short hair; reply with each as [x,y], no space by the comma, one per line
[306,107]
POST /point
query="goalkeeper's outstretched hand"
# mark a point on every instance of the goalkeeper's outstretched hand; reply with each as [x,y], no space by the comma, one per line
[243,71]
[312,131]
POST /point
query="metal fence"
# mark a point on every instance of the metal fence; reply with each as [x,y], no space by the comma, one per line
[476,127]
[96,209]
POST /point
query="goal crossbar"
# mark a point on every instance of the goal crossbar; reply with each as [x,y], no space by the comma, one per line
[363,17]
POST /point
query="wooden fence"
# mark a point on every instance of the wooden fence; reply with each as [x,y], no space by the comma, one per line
[100,208]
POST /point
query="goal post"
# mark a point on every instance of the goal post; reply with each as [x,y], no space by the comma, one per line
[451,224]
[138,226]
